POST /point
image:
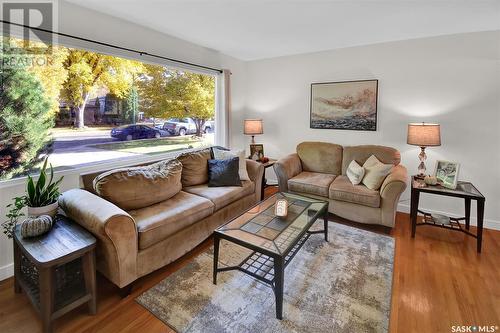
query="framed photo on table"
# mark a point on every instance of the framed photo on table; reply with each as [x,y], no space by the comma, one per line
[446,173]
[256,151]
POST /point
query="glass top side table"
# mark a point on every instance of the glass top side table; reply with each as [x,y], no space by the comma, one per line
[464,190]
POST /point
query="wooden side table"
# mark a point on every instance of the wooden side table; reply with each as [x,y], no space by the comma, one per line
[56,270]
[266,165]
[464,190]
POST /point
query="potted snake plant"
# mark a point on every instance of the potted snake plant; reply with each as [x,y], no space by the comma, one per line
[40,198]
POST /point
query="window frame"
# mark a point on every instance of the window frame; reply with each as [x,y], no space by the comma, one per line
[84,168]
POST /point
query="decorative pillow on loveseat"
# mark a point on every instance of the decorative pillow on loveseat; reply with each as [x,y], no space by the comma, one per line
[355,172]
[138,187]
[375,172]
[224,172]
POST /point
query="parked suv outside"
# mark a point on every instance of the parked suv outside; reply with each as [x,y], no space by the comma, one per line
[184,126]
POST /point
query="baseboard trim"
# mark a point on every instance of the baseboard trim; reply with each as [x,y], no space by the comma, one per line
[488,224]
[6,271]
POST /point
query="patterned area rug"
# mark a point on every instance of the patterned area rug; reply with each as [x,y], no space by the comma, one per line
[340,286]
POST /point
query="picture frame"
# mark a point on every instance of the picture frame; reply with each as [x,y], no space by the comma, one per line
[344,105]
[256,151]
[446,173]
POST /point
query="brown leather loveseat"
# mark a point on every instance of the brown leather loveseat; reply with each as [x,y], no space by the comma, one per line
[318,169]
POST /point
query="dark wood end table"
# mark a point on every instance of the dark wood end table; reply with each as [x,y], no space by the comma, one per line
[56,270]
[266,165]
[464,190]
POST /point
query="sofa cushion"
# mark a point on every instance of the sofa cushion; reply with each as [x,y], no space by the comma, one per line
[224,172]
[159,221]
[138,187]
[222,196]
[321,157]
[311,182]
[360,154]
[342,189]
[222,154]
[194,167]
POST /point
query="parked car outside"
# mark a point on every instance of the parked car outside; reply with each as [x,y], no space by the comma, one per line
[185,126]
[136,132]
[182,126]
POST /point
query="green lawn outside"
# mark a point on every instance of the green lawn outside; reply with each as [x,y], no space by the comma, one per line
[151,146]
[72,130]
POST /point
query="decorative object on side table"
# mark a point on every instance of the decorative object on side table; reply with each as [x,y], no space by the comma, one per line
[348,105]
[446,173]
[464,190]
[40,199]
[423,135]
[430,180]
[36,226]
[56,270]
[256,151]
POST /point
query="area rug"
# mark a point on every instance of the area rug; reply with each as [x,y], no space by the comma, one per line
[340,286]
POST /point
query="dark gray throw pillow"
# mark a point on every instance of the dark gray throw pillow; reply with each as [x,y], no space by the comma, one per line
[224,172]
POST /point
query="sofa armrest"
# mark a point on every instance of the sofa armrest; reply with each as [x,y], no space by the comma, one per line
[114,228]
[286,168]
[256,173]
[390,191]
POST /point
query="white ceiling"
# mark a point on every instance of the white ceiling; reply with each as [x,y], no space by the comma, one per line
[256,29]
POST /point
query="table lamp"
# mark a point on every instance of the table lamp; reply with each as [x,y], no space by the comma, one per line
[423,135]
[253,127]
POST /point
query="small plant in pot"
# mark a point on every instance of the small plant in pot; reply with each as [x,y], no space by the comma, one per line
[40,199]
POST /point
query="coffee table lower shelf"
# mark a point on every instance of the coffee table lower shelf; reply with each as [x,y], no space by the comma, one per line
[267,268]
[261,266]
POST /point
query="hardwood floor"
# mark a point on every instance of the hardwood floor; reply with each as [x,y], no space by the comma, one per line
[439,281]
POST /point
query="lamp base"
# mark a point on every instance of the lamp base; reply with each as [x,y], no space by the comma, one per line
[421,167]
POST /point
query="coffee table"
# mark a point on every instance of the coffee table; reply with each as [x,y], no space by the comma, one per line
[273,240]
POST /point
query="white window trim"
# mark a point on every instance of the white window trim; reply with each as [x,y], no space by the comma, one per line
[127,161]
[101,166]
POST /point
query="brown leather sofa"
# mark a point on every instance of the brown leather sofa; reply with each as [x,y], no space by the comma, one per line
[318,169]
[136,242]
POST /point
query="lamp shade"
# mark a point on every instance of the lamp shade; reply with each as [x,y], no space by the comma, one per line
[424,135]
[253,127]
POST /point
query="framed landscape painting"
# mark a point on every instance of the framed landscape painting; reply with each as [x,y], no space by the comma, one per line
[348,105]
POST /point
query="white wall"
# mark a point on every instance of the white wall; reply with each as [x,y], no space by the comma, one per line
[78,21]
[453,80]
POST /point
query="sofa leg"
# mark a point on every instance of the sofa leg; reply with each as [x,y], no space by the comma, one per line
[126,291]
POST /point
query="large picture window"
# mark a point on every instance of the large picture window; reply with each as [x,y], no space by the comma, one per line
[78,107]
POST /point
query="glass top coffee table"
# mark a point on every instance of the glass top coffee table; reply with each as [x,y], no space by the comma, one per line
[273,240]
